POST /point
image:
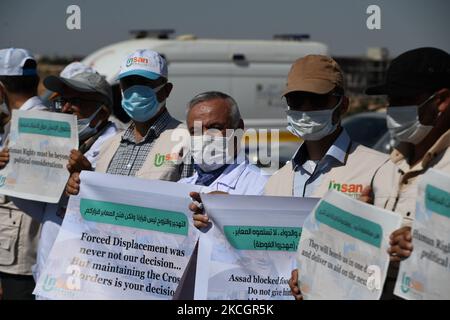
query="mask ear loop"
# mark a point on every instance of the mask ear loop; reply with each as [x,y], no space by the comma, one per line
[156,90]
[428,101]
[339,103]
[92,117]
[337,106]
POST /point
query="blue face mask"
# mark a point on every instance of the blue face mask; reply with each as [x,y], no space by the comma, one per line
[140,102]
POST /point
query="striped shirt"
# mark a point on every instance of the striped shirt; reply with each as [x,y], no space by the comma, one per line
[131,155]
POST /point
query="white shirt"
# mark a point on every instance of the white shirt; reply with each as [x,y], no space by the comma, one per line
[243,178]
[309,173]
[34,103]
[94,151]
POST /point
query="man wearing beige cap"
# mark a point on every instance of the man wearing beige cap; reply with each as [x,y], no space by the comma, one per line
[328,158]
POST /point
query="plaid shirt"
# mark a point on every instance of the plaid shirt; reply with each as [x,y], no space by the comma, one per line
[131,155]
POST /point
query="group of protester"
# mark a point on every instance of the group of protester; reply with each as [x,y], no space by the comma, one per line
[417,86]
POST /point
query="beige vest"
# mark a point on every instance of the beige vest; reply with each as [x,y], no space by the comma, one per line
[404,179]
[357,172]
[165,158]
[19,235]
[361,168]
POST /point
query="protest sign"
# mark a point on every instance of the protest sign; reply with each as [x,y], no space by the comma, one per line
[39,149]
[250,251]
[122,238]
[343,249]
[426,273]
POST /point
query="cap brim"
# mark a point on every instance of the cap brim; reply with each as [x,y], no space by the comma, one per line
[49,95]
[143,73]
[60,84]
[317,86]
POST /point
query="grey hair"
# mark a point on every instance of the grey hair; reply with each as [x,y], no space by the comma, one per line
[235,115]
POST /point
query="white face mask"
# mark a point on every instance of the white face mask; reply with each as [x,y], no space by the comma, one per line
[84,130]
[404,125]
[210,152]
[312,125]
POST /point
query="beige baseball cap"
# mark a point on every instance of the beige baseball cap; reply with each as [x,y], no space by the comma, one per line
[314,73]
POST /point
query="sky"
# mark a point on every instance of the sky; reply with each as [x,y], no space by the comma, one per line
[40,26]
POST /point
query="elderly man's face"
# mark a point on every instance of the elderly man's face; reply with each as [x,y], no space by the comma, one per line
[213,114]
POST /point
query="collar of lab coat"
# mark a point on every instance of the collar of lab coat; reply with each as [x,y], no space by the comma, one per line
[231,174]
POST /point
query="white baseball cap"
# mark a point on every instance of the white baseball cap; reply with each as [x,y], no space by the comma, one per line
[146,63]
[74,68]
[12,61]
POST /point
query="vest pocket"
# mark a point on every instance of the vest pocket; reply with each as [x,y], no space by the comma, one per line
[9,234]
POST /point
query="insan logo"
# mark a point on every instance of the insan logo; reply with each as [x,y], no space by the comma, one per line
[136,60]
[52,284]
[350,188]
[408,283]
[160,159]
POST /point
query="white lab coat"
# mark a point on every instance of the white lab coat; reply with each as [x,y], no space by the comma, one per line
[243,179]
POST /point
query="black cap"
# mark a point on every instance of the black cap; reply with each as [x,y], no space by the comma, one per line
[415,71]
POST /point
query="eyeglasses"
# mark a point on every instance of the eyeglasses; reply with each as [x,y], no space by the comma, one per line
[59,102]
[297,102]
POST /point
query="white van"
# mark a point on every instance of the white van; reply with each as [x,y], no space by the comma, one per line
[253,72]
